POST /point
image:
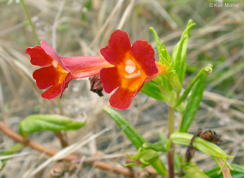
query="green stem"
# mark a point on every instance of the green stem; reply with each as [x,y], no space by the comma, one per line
[171,152]
[170,121]
[60,106]
[30,22]
[181,120]
[59,134]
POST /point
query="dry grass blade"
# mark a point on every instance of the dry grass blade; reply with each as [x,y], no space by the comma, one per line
[14,155]
[117,6]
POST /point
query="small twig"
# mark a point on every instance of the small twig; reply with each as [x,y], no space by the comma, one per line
[36,146]
[60,136]
[225,171]
[98,158]
[99,164]
[116,169]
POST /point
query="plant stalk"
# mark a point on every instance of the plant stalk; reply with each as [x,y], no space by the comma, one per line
[30,22]
[171,152]
[59,134]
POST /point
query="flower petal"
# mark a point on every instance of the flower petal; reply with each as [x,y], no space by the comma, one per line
[122,98]
[161,70]
[84,66]
[38,56]
[110,79]
[64,85]
[119,45]
[51,52]
[52,92]
[45,77]
[145,56]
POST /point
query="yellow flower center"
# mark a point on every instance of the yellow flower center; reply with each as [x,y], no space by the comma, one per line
[132,75]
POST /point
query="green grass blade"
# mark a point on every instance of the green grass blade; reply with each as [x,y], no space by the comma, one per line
[237,172]
[13,149]
[191,170]
[132,134]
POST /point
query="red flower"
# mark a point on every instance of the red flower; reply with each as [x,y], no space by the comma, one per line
[58,71]
[133,66]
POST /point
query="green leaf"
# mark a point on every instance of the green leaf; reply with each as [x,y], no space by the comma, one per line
[164,57]
[152,89]
[174,82]
[237,172]
[145,157]
[180,51]
[131,164]
[39,122]
[88,4]
[136,139]
[192,171]
[157,146]
[13,149]
[237,168]
[199,143]
[193,104]
[207,69]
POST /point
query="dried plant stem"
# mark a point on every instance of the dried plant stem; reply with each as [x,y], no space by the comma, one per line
[171,152]
[38,147]
[60,106]
[225,171]
[29,20]
[109,167]
[60,136]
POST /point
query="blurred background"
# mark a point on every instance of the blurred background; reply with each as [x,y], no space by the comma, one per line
[82,28]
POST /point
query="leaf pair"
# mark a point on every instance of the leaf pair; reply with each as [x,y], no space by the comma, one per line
[180,51]
[199,143]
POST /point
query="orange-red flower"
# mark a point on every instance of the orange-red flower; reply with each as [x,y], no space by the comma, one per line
[58,71]
[133,66]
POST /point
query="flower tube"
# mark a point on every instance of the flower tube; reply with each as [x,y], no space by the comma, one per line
[57,72]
